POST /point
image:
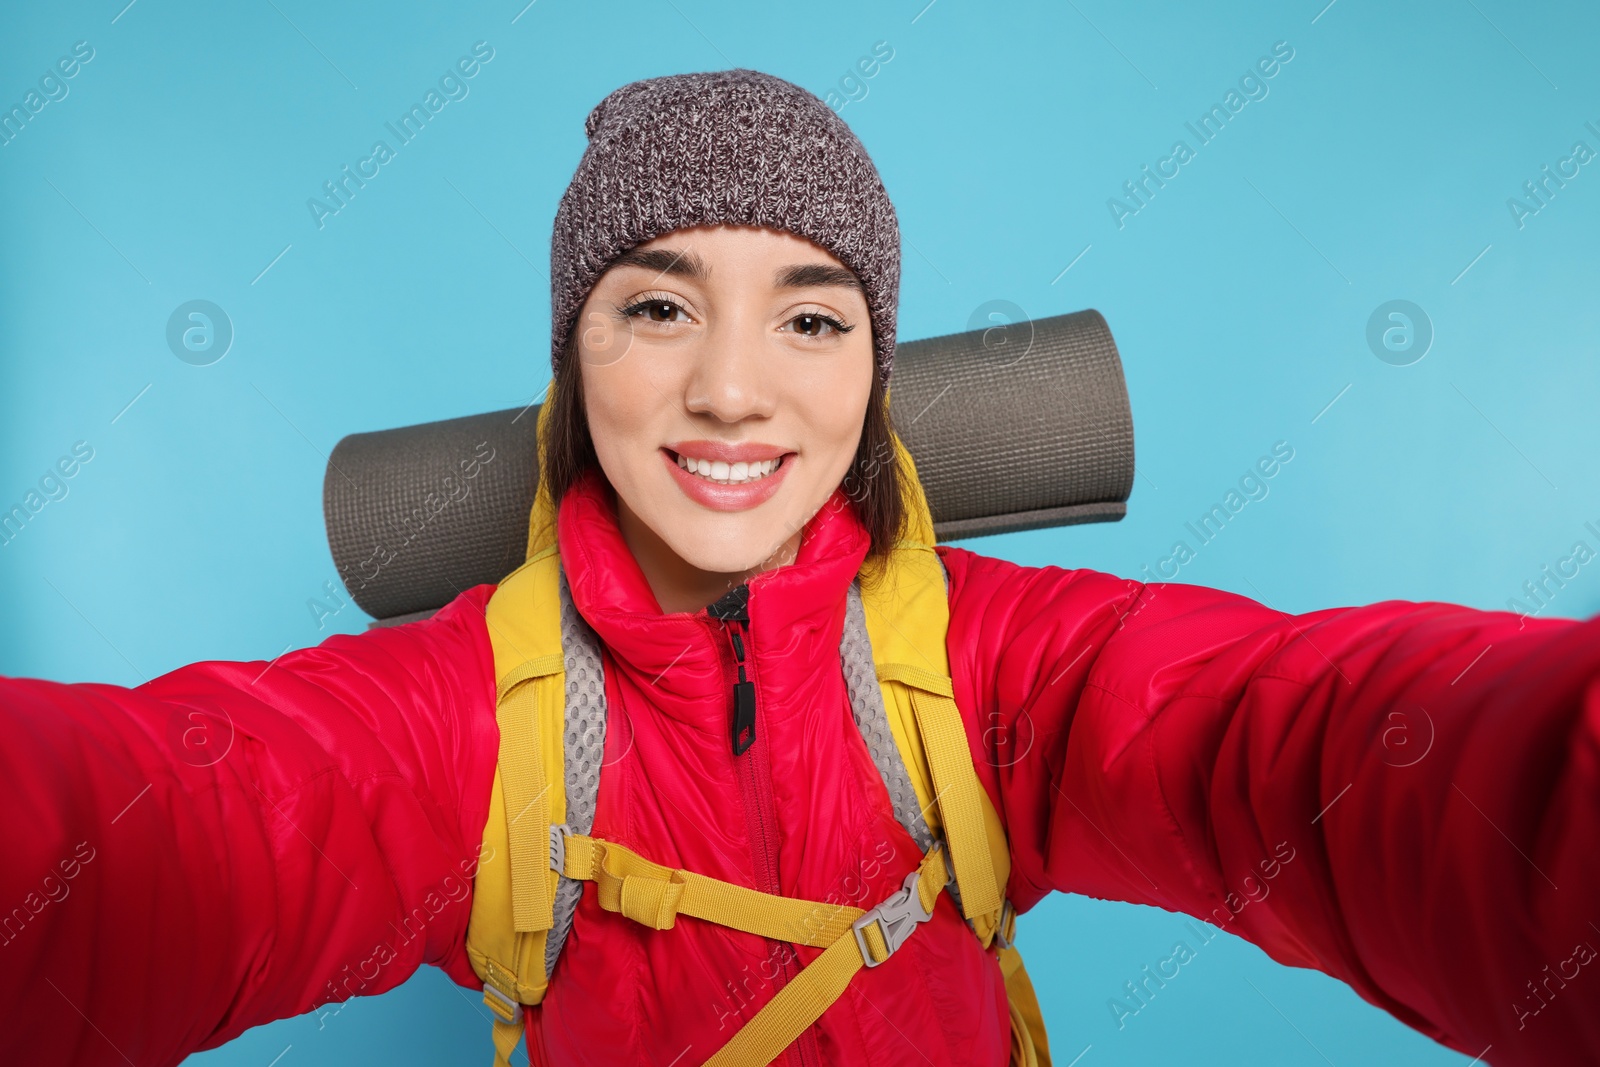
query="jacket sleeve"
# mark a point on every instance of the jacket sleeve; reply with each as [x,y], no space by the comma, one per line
[233,843]
[1403,795]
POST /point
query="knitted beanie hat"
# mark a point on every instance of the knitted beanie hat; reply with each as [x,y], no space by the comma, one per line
[730,147]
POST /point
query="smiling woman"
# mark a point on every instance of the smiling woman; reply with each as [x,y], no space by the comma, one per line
[691,715]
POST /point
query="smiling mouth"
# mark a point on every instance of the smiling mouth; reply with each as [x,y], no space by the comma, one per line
[720,472]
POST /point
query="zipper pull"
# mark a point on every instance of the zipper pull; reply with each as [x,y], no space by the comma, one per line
[734,608]
[744,714]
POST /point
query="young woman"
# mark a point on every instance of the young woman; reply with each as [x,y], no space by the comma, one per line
[234,843]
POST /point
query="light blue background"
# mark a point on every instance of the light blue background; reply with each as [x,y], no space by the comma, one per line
[1377,168]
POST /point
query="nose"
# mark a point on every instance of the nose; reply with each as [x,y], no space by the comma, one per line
[731,377]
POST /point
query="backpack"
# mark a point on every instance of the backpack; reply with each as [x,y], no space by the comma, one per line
[550,706]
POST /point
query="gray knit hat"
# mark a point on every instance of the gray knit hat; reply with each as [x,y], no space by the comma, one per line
[730,146]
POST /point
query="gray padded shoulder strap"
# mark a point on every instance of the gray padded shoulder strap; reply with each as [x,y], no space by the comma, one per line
[866,703]
[583,737]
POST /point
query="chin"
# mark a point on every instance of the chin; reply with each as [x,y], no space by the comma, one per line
[712,546]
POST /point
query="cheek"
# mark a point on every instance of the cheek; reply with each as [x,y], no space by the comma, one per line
[833,409]
[624,411]
[839,434]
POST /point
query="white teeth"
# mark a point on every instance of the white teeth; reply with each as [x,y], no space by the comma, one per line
[726,473]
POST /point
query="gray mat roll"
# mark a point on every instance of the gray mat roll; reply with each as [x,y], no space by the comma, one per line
[1014,428]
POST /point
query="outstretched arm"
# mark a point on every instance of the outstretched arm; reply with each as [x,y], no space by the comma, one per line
[1403,795]
[233,843]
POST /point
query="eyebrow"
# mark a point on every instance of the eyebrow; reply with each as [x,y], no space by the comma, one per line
[686,264]
[805,275]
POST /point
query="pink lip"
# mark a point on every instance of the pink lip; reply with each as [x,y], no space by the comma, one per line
[727,451]
[727,497]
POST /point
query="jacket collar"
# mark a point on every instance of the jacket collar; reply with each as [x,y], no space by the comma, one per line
[796,611]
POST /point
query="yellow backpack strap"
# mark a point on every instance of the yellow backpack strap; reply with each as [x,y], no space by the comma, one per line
[654,895]
[1029,1046]
[907,611]
[526,788]
[514,887]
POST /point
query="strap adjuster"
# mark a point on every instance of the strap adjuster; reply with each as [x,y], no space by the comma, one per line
[896,917]
[559,832]
[509,1011]
[1007,912]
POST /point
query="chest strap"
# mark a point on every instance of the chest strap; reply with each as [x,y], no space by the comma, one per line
[654,895]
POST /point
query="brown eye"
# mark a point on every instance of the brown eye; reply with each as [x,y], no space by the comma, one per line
[654,309]
[815,326]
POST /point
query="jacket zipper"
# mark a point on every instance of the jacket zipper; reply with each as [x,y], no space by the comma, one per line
[753,770]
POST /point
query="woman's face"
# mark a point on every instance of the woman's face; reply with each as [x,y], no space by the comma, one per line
[746,354]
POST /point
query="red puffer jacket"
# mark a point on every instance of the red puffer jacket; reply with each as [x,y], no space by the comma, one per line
[233,843]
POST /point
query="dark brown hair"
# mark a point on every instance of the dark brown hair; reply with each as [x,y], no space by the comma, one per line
[872,483]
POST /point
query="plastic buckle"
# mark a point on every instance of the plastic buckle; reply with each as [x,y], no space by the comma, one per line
[896,917]
[1001,941]
[509,1010]
[559,832]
